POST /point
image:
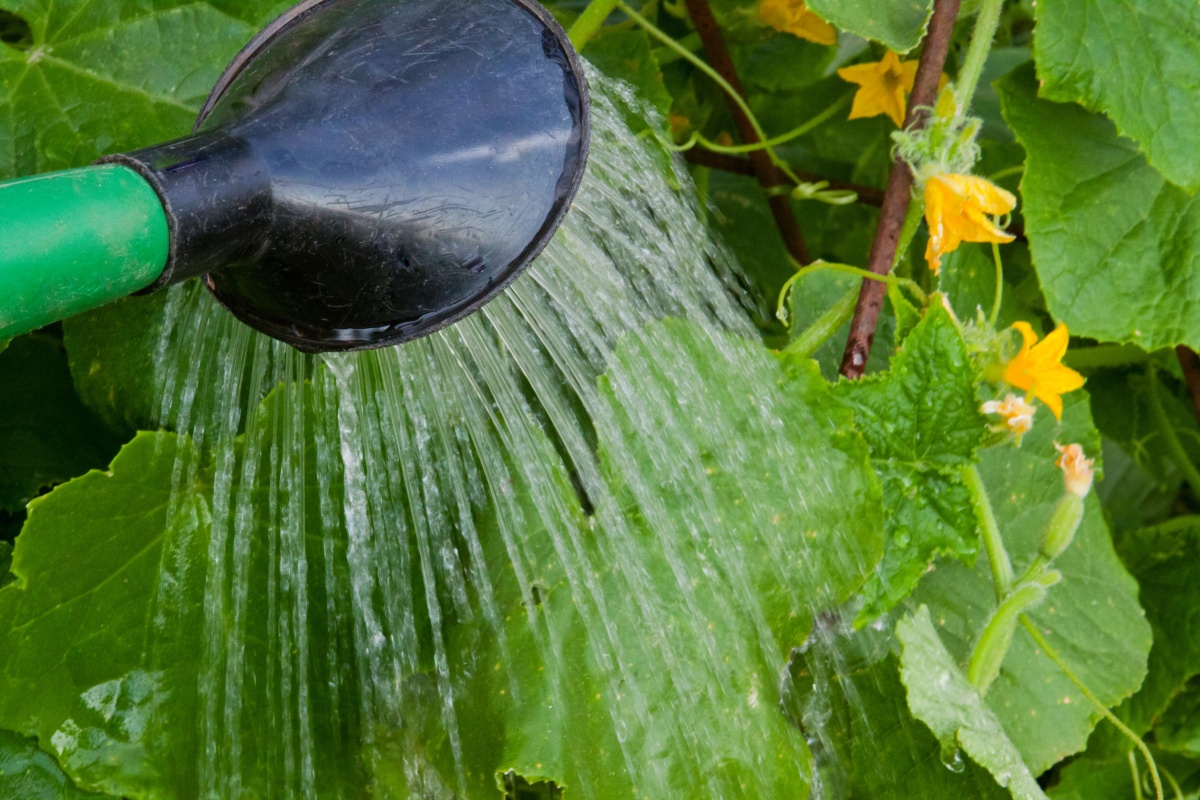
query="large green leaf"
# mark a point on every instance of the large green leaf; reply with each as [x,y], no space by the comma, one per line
[106,76]
[812,296]
[1138,61]
[808,524]
[111,352]
[845,693]
[6,577]
[73,668]
[1166,563]
[1088,778]
[645,662]
[941,697]
[1115,244]
[900,24]
[1178,729]
[621,702]
[108,653]
[922,422]
[1141,478]
[46,435]
[626,54]
[1091,617]
[133,364]
[29,773]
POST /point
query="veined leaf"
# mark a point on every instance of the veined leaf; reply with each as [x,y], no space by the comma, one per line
[900,24]
[99,77]
[922,422]
[1114,243]
[1138,61]
[941,697]
[29,773]
[1091,617]
[647,663]
[845,693]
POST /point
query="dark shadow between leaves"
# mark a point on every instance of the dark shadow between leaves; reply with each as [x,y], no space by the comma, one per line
[15,31]
[517,788]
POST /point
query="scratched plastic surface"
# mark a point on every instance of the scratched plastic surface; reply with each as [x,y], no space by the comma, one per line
[379,169]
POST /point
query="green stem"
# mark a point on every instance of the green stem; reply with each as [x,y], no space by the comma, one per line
[1053,655]
[697,62]
[858,272]
[908,231]
[782,138]
[988,655]
[1106,355]
[1036,567]
[1175,787]
[664,56]
[1167,431]
[826,325]
[995,315]
[1002,571]
[1175,525]
[589,22]
[715,76]
[986,25]
[1137,777]
[1004,173]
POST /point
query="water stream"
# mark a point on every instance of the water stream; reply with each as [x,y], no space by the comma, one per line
[475,552]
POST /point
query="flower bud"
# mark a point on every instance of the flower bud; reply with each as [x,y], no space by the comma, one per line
[1077,470]
[1016,413]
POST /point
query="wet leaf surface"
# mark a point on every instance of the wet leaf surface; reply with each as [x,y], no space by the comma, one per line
[921,420]
[1092,617]
[940,696]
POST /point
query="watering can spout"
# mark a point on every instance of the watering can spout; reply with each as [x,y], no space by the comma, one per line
[365,171]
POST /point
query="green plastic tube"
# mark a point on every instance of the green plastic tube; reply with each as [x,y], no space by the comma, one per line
[74,240]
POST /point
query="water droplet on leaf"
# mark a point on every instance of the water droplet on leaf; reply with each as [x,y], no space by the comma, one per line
[952,757]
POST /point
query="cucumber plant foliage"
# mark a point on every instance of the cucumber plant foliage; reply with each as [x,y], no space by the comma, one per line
[974,631]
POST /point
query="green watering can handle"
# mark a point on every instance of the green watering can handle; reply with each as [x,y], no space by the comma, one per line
[74,240]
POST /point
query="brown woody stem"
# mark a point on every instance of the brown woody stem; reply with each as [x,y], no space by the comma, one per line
[899,190]
[768,174]
[1190,363]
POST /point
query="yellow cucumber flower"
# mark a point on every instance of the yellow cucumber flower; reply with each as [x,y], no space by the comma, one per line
[792,16]
[1077,470]
[1038,367]
[883,87]
[1016,413]
[957,209]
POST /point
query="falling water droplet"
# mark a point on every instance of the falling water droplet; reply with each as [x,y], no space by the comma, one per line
[952,757]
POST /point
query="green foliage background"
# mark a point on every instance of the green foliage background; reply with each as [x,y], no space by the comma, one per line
[1089,112]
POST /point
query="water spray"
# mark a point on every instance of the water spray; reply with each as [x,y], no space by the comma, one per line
[363,173]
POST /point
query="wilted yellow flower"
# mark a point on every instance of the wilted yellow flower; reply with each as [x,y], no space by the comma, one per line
[884,87]
[957,209]
[1077,470]
[1016,413]
[792,16]
[1038,368]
